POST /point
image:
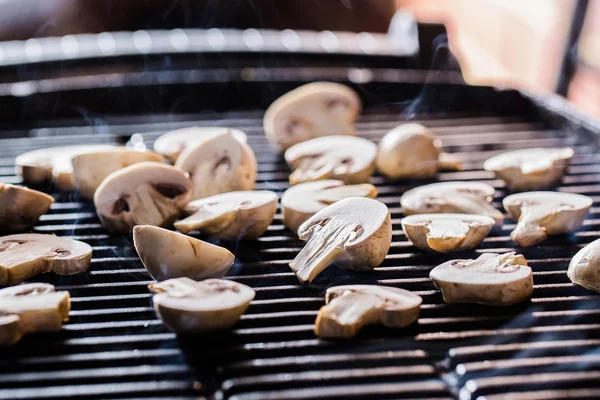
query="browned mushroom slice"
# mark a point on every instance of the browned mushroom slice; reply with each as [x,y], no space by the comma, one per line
[21,208]
[584,268]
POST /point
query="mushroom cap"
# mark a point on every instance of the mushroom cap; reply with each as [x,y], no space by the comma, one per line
[309,111]
[584,268]
[172,143]
[167,254]
[21,208]
[147,193]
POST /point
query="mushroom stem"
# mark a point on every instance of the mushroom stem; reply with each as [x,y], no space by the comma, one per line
[346,315]
[312,169]
[217,216]
[445,236]
[528,232]
[149,207]
[337,193]
[449,162]
[469,204]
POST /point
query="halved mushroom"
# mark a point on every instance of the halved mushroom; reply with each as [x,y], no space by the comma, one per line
[304,200]
[231,216]
[187,306]
[584,268]
[219,164]
[347,158]
[25,255]
[312,110]
[447,232]
[32,307]
[146,193]
[545,213]
[173,143]
[354,233]
[351,307]
[495,279]
[530,169]
[21,208]
[451,197]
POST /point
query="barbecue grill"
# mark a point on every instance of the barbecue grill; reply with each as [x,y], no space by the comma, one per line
[115,347]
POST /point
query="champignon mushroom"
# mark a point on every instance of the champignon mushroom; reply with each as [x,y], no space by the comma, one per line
[355,233]
[584,268]
[146,193]
[530,169]
[21,208]
[312,110]
[32,307]
[304,200]
[545,213]
[447,232]
[351,307]
[25,255]
[494,279]
[172,143]
[187,306]
[231,216]
[218,164]
[347,158]
[451,197]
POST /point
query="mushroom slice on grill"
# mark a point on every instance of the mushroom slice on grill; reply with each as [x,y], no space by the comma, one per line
[313,110]
[355,233]
[347,158]
[351,307]
[584,268]
[495,279]
[187,306]
[447,232]
[21,208]
[147,193]
[530,169]
[219,164]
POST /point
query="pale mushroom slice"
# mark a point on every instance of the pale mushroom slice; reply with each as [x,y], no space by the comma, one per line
[354,233]
[219,164]
[447,232]
[584,268]
[530,169]
[453,198]
[21,208]
[187,306]
[545,213]
[302,201]
[313,110]
[32,307]
[494,279]
[231,216]
[349,159]
[173,143]
[147,193]
[351,307]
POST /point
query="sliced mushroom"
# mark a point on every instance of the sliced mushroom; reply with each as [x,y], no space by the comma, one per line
[21,208]
[231,216]
[545,213]
[494,279]
[347,158]
[584,268]
[351,307]
[447,232]
[146,193]
[187,306]
[313,110]
[25,255]
[219,164]
[173,143]
[354,233]
[304,200]
[451,197]
[32,307]
[530,169]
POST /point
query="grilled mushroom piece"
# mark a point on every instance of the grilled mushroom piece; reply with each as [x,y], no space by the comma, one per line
[545,213]
[25,255]
[584,268]
[21,208]
[147,193]
[351,307]
[347,158]
[355,233]
[219,164]
[313,110]
[187,306]
[32,307]
[447,232]
[494,279]
[304,200]
[530,169]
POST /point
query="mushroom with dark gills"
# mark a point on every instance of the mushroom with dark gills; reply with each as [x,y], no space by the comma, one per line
[584,268]
[21,208]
